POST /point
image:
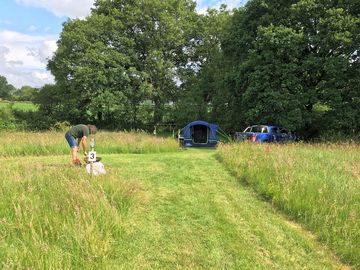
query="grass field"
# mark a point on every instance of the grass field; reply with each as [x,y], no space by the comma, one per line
[165,208]
[171,211]
[317,185]
[18,105]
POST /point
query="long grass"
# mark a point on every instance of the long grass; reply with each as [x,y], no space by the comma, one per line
[54,143]
[179,210]
[317,185]
[53,217]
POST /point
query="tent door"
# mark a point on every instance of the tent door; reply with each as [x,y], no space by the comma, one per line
[200,134]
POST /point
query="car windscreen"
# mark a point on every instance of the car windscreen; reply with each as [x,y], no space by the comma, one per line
[259,129]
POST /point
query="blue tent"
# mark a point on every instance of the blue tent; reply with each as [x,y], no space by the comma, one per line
[199,134]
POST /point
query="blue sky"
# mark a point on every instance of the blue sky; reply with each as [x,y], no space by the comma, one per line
[15,16]
[29,30]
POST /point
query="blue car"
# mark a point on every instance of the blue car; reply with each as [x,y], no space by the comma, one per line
[265,133]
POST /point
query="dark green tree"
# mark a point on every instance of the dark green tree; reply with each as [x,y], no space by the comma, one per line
[292,62]
[49,101]
[125,53]
[87,65]
[203,94]
[6,89]
[25,93]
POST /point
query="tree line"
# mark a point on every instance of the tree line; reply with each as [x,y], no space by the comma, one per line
[139,64]
[11,93]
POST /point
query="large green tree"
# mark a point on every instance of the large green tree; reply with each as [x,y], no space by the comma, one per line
[93,69]
[294,63]
[125,53]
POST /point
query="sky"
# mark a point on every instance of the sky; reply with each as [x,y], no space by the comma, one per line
[29,30]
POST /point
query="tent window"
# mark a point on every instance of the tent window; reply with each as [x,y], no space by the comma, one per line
[199,134]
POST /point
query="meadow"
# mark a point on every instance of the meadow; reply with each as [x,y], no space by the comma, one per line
[54,143]
[317,185]
[19,105]
[158,207]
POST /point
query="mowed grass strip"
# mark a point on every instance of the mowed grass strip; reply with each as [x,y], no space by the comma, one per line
[158,211]
[54,143]
[317,185]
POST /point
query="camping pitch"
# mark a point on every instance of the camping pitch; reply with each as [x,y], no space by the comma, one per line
[199,134]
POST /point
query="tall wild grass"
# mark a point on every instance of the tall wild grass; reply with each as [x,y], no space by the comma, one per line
[54,143]
[147,212]
[317,185]
[53,217]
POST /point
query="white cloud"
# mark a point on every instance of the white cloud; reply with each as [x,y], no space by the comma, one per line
[67,8]
[23,58]
[43,51]
[81,8]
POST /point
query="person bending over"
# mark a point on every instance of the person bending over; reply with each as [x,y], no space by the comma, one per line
[76,135]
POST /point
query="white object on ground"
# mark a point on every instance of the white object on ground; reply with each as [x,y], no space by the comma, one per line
[97,168]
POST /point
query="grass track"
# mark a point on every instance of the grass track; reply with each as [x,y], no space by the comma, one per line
[178,210]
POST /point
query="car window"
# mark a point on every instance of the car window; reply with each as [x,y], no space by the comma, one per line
[259,129]
[275,130]
[247,129]
[255,129]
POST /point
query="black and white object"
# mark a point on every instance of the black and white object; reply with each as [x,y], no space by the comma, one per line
[94,166]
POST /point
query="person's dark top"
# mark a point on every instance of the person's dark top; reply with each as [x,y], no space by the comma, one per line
[79,131]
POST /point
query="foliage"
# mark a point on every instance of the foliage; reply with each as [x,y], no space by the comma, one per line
[25,93]
[54,104]
[316,185]
[60,126]
[18,116]
[6,89]
[202,95]
[285,57]
[125,53]
[140,64]
[7,119]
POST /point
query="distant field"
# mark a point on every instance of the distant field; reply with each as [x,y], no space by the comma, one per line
[18,105]
[317,185]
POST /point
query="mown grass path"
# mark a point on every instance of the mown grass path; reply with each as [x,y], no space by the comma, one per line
[193,214]
[178,210]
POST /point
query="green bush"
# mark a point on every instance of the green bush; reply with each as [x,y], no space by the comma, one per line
[60,126]
[7,119]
